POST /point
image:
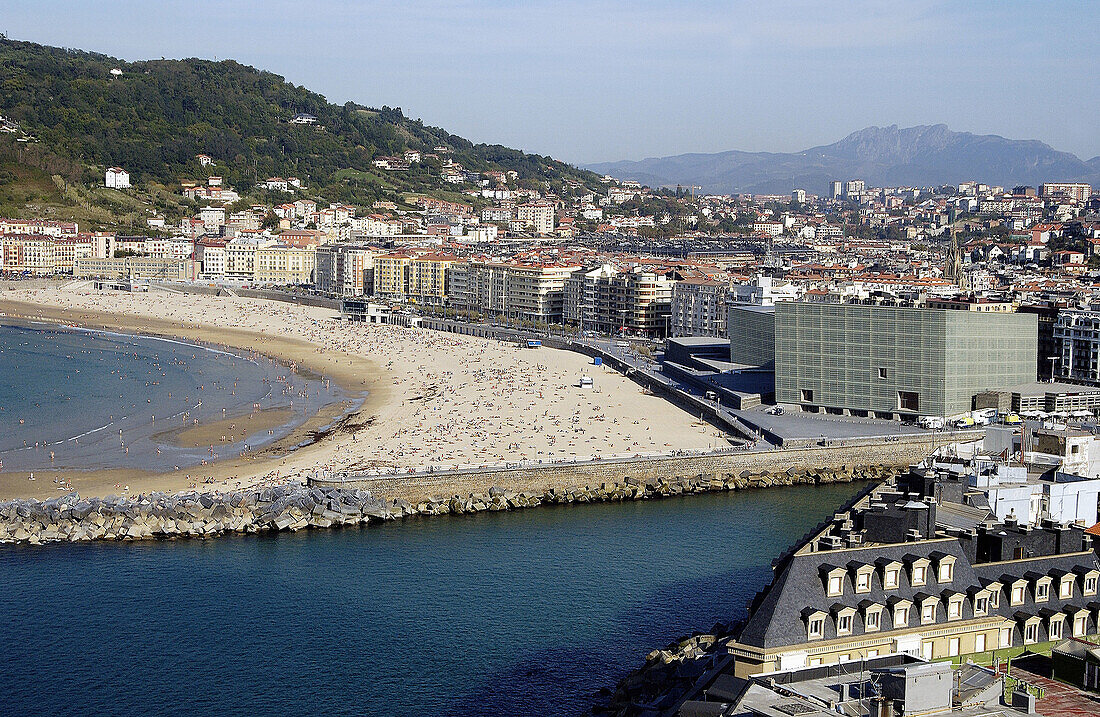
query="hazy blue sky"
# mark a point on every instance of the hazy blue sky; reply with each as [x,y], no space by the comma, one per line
[590,81]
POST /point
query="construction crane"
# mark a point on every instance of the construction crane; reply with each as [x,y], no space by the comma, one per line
[693,188]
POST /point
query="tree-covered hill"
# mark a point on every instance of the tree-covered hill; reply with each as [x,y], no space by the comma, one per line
[157,115]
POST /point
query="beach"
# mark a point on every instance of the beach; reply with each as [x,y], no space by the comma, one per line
[435,400]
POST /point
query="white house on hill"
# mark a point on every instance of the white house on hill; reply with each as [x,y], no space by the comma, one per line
[117,178]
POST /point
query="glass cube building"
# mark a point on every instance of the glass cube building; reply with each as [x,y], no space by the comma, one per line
[897,362]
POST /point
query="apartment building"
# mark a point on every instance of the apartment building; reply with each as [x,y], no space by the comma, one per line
[539,216]
[1077,345]
[428,278]
[700,307]
[610,300]
[391,276]
[534,292]
[345,269]
[1074,191]
[282,265]
[28,254]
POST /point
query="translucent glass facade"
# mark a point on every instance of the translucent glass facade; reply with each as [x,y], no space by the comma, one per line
[898,361]
[752,335]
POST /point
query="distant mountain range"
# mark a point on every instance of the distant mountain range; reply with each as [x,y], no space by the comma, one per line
[927,155]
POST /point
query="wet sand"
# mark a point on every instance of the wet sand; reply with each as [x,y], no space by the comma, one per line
[227,430]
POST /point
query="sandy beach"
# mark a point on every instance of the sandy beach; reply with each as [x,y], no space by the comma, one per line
[435,399]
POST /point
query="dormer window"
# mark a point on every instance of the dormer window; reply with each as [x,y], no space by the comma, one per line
[1042,590]
[863,578]
[833,579]
[928,612]
[994,595]
[981,605]
[890,578]
[1065,588]
[946,571]
[1031,633]
[1080,624]
[1089,583]
[918,569]
[1055,630]
[1017,595]
[901,616]
[844,623]
[816,629]
[954,608]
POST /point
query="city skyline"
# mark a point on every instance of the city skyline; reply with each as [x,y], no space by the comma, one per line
[590,83]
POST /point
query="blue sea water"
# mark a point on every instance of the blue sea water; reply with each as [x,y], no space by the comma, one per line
[527,612]
[96,399]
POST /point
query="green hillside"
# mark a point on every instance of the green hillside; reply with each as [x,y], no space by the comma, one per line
[157,115]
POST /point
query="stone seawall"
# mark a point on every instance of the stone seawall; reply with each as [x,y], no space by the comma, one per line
[577,476]
[70,518]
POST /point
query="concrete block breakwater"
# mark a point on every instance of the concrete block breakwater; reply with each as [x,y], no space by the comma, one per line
[294,507]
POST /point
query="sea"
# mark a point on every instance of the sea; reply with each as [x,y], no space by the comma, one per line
[513,613]
[76,399]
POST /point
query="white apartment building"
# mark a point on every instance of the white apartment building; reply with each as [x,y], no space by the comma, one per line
[213,218]
[539,216]
[699,307]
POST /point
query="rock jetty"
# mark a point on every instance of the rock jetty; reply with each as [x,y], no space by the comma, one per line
[292,507]
[667,675]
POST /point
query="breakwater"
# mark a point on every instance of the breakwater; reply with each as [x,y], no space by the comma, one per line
[293,507]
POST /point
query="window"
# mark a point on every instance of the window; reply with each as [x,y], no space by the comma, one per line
[873,619]
[1031,633]
[836,585]
[1065,591]
[901,617]
[844,624]
[1056,629]
[994,596]
[1017,594]
[1079,626]
[928,613]
[953,646]
[890,579]
[1042,592]
[908,401]
[863,581]
[954,609]
[920,575]
[946,570]
[882,372]
[979,642]
[807,395]
[817,628]
[815,662]
[1090,585]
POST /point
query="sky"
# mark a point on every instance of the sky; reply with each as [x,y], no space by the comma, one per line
[591,81]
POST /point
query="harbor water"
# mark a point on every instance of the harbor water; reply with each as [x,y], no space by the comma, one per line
[527,612]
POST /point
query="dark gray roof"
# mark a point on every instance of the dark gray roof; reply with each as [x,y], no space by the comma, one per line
[777,620]
[798,589]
